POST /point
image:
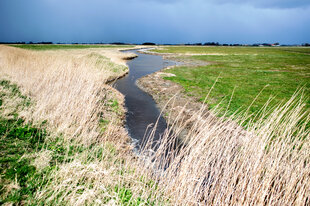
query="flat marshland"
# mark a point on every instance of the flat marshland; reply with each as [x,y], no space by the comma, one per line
[242,74]
[63,139]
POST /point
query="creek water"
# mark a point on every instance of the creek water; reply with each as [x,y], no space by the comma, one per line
[142,112]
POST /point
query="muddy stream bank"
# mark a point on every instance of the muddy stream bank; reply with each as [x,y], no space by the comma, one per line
[142,111]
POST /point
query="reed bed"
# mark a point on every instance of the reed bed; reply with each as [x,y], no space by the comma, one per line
[219,162]
[68,87]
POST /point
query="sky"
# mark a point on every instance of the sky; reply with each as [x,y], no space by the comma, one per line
[159,21]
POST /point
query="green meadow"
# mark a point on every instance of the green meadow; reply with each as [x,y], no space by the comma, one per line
[242,74]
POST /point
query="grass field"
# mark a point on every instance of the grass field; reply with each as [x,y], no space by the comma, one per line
[243,72]
[65,46]
[63,142]
[40,168]
[61,130]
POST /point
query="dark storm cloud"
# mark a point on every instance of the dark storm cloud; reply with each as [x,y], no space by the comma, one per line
[137,21]
[269,3]
[255,3]
[161,1]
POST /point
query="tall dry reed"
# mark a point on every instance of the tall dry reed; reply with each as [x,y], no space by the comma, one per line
[221,163]
[68,87]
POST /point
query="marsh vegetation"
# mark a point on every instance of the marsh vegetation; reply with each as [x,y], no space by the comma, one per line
[63,139]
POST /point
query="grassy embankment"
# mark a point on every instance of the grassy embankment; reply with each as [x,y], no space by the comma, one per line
[62,135]
[242,73]
[63,143]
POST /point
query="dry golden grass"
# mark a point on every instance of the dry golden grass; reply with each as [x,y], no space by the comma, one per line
[224,164]
[68,87]
[221,163]
[69,90]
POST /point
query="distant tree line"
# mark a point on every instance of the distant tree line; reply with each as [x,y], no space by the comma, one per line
[218,44]
[148,43]
[152,43]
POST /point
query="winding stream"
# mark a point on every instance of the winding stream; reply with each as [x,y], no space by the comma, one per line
[142,112]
